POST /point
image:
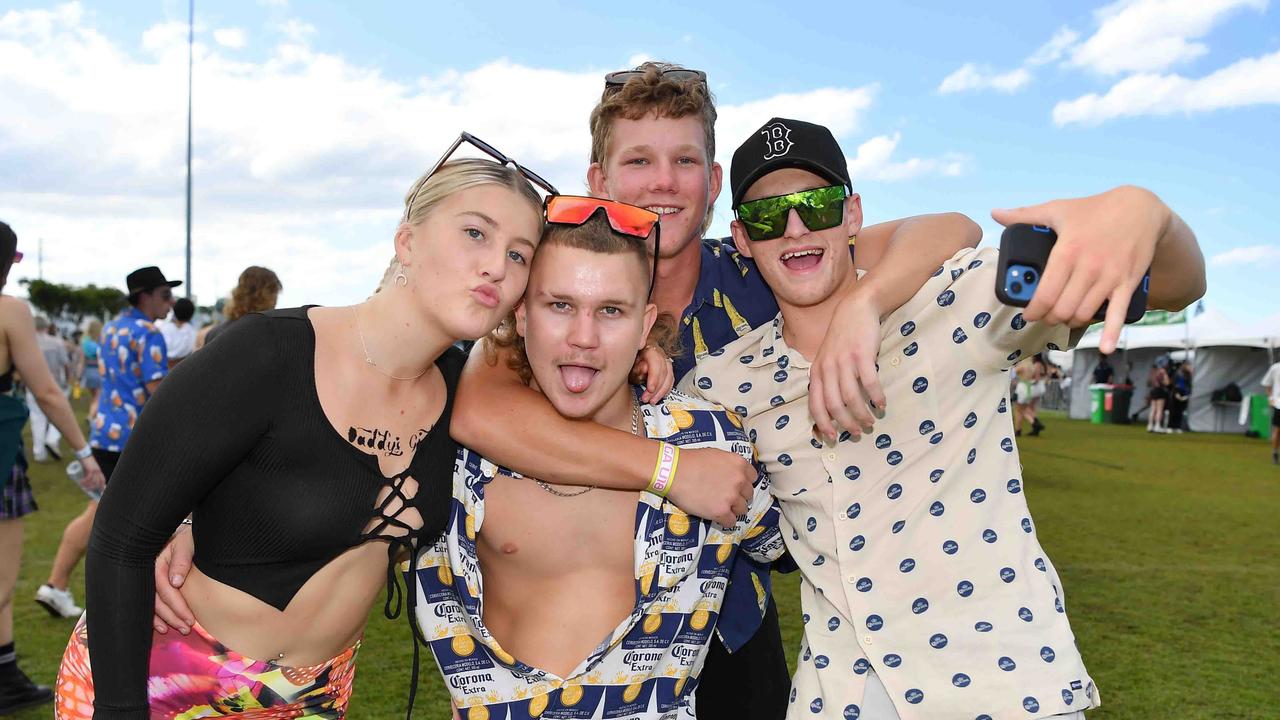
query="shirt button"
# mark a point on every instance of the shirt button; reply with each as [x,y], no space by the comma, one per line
[866,639]
[853,579]
[896,361]
[831,457]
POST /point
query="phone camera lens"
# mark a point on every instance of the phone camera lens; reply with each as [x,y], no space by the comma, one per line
[1015,287]
[1029,276]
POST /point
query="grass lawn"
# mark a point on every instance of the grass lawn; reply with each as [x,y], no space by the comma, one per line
[1168,547]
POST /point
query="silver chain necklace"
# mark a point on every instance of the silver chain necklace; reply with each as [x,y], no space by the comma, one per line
[369,358]
[635,430]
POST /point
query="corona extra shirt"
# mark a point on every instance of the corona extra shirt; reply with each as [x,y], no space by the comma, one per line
[647,667]
[133,354]
[919,558]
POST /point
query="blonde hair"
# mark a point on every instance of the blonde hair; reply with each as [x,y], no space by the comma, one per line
[94,329]
[429,190]
[653,93]
[595,235]
[257,289]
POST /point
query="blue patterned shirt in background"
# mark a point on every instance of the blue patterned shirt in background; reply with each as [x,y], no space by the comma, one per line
[648,666]
[730,301]
[132,354]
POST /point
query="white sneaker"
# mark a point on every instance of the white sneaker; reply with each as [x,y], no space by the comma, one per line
[59,603]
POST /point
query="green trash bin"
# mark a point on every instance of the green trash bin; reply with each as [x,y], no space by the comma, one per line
[1260,415]
[1097,403]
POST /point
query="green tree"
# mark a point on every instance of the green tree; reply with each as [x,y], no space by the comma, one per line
[59,300]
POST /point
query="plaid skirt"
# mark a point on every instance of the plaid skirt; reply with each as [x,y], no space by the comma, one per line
[16,499]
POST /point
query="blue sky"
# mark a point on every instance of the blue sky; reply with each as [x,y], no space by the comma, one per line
[312,118]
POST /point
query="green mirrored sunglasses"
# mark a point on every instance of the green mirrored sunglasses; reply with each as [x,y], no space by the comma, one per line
[819,209]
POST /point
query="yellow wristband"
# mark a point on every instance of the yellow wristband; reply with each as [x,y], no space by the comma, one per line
[664,470]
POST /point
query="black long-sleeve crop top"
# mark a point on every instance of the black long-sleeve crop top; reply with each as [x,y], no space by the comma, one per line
[236,436]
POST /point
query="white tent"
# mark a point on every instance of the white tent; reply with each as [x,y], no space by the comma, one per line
[1224,352]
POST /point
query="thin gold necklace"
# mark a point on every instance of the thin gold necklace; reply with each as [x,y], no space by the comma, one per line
[369,358]
[635,430]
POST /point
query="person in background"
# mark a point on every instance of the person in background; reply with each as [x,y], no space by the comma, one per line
[257,291]
[1180,396]
[45,437]
[1271,383]
[179,333]
[135,363]
[1104,374]
[19,352]
[1158,392]
[91,376]
[1027,394]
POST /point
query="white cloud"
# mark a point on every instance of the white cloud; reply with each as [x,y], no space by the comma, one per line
[1251,255]
[1252,81]
[1152,35]
[969,77]
[873,161]
[301,158]
[233,38]
[1051,51]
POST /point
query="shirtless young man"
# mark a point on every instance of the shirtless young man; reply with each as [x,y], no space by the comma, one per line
[586,601]
[927,593]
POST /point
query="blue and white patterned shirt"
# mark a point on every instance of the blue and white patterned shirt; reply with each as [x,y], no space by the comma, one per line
[133,353]
[919,558]
[647,667]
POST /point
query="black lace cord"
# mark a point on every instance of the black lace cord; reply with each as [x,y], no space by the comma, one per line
[394,546]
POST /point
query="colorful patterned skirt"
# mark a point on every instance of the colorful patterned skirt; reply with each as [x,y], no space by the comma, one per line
[195,676]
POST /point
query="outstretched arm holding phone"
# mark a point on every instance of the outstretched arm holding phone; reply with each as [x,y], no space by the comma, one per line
[1082,273]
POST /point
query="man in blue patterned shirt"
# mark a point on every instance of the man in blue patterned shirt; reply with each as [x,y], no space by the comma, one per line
[132,362]
[500,596]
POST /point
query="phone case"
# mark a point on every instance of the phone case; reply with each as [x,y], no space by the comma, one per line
[1030,245]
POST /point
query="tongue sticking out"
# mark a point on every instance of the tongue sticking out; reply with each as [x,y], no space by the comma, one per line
[803,262]
[576,377]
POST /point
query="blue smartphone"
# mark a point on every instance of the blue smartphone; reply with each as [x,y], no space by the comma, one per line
[1024,253]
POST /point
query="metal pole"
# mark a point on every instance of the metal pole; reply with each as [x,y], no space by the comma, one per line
[191,23]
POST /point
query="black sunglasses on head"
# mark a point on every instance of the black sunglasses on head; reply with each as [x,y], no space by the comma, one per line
[619,78]
[489,150]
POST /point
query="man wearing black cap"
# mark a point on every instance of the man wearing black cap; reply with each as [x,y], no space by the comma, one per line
[133,360]
[925,591]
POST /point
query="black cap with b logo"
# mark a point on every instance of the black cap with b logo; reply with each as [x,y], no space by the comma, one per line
[783,143]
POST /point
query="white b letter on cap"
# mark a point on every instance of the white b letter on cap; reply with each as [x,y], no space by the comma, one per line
[777,140]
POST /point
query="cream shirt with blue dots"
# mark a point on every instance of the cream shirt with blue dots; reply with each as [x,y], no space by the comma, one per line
[919,557]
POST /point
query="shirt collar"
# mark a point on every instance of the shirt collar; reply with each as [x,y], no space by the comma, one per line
[134,313]
[773,346]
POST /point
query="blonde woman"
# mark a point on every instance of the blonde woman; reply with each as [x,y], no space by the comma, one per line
[311,447]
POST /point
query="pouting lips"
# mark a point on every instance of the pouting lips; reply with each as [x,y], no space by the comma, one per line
[802,259]
[577,378]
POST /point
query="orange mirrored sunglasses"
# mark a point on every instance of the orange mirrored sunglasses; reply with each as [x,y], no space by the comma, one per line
[625,219]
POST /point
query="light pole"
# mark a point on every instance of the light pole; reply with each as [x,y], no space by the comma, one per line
[191,32]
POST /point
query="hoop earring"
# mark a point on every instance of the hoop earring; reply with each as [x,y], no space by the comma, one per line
[400,279]
[853,239]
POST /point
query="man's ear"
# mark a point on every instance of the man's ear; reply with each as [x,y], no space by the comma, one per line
[717,183]
[521,320]
[853,214]
[650,317]
[740,239]
[596,181]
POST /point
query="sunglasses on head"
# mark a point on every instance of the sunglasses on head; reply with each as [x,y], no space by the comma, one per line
[487,149]
[17,256]
[819,209]
[625,219]
[615,80]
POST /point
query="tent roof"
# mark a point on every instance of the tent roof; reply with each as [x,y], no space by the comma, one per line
[1210,323]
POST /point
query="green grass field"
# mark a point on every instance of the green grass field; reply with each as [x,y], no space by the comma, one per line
[1168,546]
